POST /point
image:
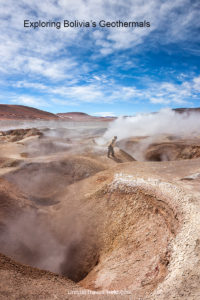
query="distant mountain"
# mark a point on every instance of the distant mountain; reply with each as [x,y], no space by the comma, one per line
[83,117]
[20,112]
[188,110]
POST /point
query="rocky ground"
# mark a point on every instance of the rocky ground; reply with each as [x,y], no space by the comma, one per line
[75,223]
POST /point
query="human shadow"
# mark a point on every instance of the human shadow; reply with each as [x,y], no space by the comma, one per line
[118,160]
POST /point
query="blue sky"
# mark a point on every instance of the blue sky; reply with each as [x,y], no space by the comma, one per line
[101,71]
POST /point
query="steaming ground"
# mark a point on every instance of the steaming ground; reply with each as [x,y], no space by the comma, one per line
[104,224]
[137,134]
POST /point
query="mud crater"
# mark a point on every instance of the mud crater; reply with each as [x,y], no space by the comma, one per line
[111,239]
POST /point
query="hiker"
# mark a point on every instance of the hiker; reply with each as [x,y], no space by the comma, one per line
[111,147]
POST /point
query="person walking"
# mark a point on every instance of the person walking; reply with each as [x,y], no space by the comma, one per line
[111,147]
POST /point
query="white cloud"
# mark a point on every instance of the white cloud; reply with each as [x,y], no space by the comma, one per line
[53,70]
[174,20]
[97,78]
[96,93]
[106,51]
[104,114]
[196,82]
[101,90]
[171,93]
[98,35]
[34,85]
[87,93]
[29,101]
[59,55]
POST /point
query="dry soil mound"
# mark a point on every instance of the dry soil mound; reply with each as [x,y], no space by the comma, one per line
[18,134]
[24,282]
[42,182]
[12,201]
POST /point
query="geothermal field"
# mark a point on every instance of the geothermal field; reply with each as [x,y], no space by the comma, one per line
[77,224]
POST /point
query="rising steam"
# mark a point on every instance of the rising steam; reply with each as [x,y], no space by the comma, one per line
[166,121]
[150,127]
[28,240]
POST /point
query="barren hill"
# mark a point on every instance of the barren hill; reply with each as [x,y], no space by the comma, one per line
[20,112]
